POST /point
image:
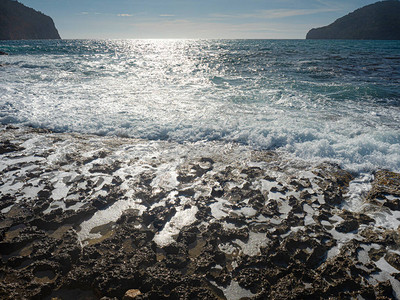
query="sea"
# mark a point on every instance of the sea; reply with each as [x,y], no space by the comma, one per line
[316,100]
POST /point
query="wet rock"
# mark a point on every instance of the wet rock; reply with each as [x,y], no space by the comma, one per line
[195,170]
[103,168]
[6,201]
[232,234]
[332,197]
[99,154]
[158,216]
[7,147]
[393,204]
[393,259]
[334,182]
[347,226]
[253,172]
[300,184]
[385,183]
[364,219]
[130,216]
[44,194]
[206,163]
[376,254]
[334,173]
[131,294]
[217,192]
[270,209]
[384,290]
[306,195]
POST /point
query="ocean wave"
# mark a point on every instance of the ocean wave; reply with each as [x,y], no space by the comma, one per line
[311,100]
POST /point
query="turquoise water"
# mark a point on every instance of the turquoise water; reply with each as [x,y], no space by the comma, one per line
[316,100]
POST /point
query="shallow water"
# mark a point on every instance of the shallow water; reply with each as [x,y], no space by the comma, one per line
[317,100]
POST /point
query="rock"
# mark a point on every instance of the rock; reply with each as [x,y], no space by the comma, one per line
[3,53]
[347,226]
[7,146]
[131,294]
[385,183]
[20,22]
[379,21]
[393,259]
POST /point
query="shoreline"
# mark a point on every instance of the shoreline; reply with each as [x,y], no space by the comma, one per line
[97,216]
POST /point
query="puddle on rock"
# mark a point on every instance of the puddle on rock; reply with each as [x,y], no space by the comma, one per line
[196,247]
[44,276]
[14,231]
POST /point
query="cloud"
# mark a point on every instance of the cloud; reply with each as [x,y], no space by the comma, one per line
[182,28]
[86,13]
[274,13]
[167,15]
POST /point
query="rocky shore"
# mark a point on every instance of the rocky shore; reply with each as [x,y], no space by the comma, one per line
[90,217]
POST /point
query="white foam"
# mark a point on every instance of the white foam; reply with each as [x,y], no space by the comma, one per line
[235,292]
[308,220]
[308,209]
[247,211]
[7,209]
[355,201]
[166,177]
[341,239]
[385,276]
[102,217]
[357,190]
[60,191]
[218,209]
[181,219]
[386,267]
[11,187]
[362,254]
[253,246]
[387,218]
[284,207]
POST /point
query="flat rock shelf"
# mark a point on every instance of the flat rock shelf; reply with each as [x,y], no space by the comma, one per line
[91,217]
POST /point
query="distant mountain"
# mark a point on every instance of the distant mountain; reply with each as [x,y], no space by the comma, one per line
[18,22]
[378,21]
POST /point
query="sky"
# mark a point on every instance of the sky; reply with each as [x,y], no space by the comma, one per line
[156,19]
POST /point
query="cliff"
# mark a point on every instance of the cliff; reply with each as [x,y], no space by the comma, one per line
[378,21]
[18,22]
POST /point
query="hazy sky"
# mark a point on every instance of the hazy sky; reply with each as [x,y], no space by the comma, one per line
[269,19]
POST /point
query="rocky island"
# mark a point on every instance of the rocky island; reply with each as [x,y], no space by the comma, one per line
[18,22]
[379,21]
